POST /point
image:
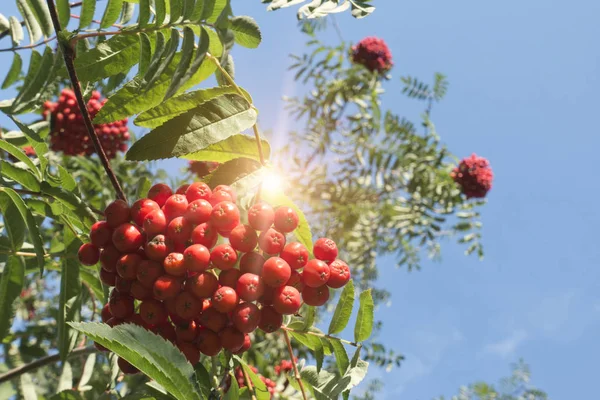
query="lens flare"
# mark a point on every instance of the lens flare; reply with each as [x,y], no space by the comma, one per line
[272,182]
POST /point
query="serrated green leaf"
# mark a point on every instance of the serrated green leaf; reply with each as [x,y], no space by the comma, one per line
[188,8]
[143,186]
[16,31]
[246,31]
[309,317]
[35,81]
[343,310]
[231,172]
[145,54]
[319,354]
[160,11]
[167,58]
[187,50]
[236,146]
[213,121]
[70,201]
[308,340]
[88,9]
[126,13]
[64,12]
[27,387]
[111,14]
[198,11]
[204,44]
[365,317]
[204,379]
[34,140]
[31,23]
[19,155]
[150,353]
[19,175]
[14,223]
[176,10]
[69,308]
[341,356]
[42,15]
[144,13]
[11,283]
[14,71]
[213,9]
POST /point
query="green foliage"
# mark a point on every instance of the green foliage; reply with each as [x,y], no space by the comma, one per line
[321,8]
[343,310]
[11,283]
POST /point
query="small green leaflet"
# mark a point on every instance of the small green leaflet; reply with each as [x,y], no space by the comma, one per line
[341,356]
[232,172]
[246,31]
[187,50]
[64,12]
[11,283]
[343,310]
[32,25]
[259,386]
[87,13]
[111,13]
[19,175]
[212,9]
[20,155]
[14,224]
[233,147]
[365,317]
[16,31]
[42,15]
[14,72]
[69,308]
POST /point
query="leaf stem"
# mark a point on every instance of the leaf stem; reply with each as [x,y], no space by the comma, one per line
[294,365]
[30,46]
[249,383]
[70,64]
[285,328]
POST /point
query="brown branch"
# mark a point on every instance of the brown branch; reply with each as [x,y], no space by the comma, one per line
[69,62]
[30,46]
[296,373]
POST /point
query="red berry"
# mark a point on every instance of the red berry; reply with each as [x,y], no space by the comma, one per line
[174,264]
[181,189]
[246,346]
[474,176]
[139,291]
[191,352]
[296,280]
[250,287]
[160,193]
[270,320]
[158,248]
[175,206]
[187,333]
[243,238]
[109,257]
[141,208]
[223,257]
[137,319]
[316,273]
[123,286]
[197,258]
[229,277]
[208,342]
[218,196]
[271,241]
[121,306]
[286,219]
[198,211]
[227,189]
[116,213]
[315,296]
[246,317]
[261,216]
[127,238]
[225,299]
[155,222]
[101,234]
[153,312]
[148,272]
[276,272]
[188,306]
[205,235]
[197,191]
[166,330]
[107,277]
[166,287]
[325,250]
[105,313]
[127,266]
[126,367]
[213,319]
[295,254]
[373,53]
[231,339]
[203,285]
[287,300]
[179,230]
[225,216]
[88,254]
[339,274]
[252,263]
[268,295]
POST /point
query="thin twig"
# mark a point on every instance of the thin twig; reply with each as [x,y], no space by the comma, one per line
[31,46]
[68,56]
[13,373]
[22,254]
[296,373]
[321,335]
[249,383]
[96,21]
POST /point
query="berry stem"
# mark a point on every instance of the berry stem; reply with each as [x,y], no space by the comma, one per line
[285,328]
[296,373]
[249,383]
[69,57]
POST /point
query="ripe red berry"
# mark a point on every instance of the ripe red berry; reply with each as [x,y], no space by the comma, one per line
[127,238]
[179,230]
[227,189]
[197,191]
[268,296]
[101,234]
[243,238]
[181,189]
[139,291]
[108,277]
[148,272]
[198,211]
[296,280]
[126,367]
[141,208]
[116,213]
[174,264]
[261,216]
[250,287]
[203,285]
[166,287]
[270,320]
[271,241]
[105,313]
[213,319]
[474,176]
[223,257]
[166,330]
[188,306]
[205,235]
[316,273]
[191,352]
[287,300]
[218,196]
[121,305]
[127,266]
[229,277]
[295,254]
[123,286]
[197,258]
[153,312]
[252,263]
[157,249]
[325,250]
[231,339]
[187,333]
[155,222]
[225,216]
[276,272]
[315,296]
[286,219]
[246,317]
[109,257]
[373,53]
[175,206]
[208,342]
[246,346]
[88,254]
[160,193]
[225,299]
[339,274]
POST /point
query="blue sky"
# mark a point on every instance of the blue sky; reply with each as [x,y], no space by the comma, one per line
[523,79]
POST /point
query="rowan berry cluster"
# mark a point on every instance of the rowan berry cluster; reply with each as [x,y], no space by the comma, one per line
[474,176]
[203,279]
[373,53]
[284,366]
[69,134]
[202,168]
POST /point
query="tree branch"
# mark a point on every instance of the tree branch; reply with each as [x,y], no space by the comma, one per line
[296,373]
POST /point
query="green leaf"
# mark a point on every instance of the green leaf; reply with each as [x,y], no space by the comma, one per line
[168,56]
[145,54]
[19,175]
[341,356]
[93,281]
[35,81]
[232,171]
[213,121]
[188,8]
[111,14]
[364,319]
[236,146]
[11,283]
[144,13]
[187,50]
[312,342]
[42,15]
[160,8]
[309,318]
[117,54]
[150,353]
[87,13]
[14,72]
[175,11]
[198,10]
[27,387]
[262,393]
[19,155]
[204,380]
[13,222]
[65,381]
[69,308]
[16,31]
[213,9]
[246,31]
[343,310]
[88,370]
[126,13]
[143,186]
[319,354]
[234,390]
[34,140]
[204,44]
[64,12]
[34,232]
[67,395]
[31,23]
